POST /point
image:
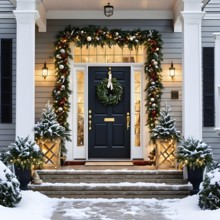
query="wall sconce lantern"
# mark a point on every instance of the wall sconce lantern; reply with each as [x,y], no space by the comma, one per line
[108,10]
[45,71]
[172,70]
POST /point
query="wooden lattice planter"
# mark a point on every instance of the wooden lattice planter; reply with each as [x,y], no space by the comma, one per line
[51,150]
[165,153]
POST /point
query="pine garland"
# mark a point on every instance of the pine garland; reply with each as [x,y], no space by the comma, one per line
[96,36]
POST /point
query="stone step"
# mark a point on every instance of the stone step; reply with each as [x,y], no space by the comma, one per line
[112,184]
[112,180]
[126,190]
[175,177]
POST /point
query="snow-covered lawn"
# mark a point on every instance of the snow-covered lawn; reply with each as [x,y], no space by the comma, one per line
[33,206]
[36,206]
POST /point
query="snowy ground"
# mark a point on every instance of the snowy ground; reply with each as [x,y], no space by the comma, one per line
[36,206]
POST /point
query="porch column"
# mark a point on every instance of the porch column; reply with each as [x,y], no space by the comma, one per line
[26,16]
[217,81]
[192,71]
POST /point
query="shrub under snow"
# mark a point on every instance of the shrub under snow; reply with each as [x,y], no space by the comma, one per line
[49,127]
[10,193]
[194,153]
[209,196]
[165,127]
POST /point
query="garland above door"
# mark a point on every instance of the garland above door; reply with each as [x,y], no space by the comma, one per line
[96,36]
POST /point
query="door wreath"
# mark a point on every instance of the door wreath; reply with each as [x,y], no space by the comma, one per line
[112,95]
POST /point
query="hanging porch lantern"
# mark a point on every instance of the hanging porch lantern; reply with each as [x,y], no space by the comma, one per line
[108,10]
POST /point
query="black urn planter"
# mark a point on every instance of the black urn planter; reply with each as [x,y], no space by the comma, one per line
[23,176]
[195,177]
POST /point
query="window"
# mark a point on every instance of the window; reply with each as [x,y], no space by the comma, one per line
[6,81]
[208,87]
[104,54]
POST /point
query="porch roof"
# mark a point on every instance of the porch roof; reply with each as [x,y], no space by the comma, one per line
[123,9]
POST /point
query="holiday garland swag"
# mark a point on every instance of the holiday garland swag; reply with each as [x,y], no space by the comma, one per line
[96,36]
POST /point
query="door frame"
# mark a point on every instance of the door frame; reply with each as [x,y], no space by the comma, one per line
[75,152]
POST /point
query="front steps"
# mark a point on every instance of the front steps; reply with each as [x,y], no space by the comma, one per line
[158,184]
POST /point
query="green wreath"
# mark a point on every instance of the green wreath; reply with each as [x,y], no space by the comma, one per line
[107,96]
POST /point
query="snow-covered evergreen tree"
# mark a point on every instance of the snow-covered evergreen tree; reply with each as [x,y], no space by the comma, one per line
[23,153]
[165,126]
[48,127]
[194,153]
[209,195]
[10,193]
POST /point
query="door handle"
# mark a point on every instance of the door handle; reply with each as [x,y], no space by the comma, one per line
[128,120]
[90,125]
[90,120]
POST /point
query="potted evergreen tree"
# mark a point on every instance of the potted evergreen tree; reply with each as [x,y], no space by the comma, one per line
[166,137]
[24,154]
[49,135]
[10,193]
[195,155]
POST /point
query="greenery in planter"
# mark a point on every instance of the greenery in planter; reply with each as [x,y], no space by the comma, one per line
[194,154]
[165,126]
[49,127]
[10,193]
[23,153]
[209,195]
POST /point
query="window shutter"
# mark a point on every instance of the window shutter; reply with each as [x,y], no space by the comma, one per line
[208,87]
[6,80]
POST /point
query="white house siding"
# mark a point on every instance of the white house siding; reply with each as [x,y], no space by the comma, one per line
[172,50]
[208,28]
[8,30]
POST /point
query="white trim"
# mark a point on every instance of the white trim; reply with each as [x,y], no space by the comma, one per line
[192,72]
[132,114]
[25,71]
[137,152]
[42,22]
[81,152]
[118,14]
[217,81]
[177,23]
[192,5]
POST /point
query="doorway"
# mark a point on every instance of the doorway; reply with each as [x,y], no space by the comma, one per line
[109,125]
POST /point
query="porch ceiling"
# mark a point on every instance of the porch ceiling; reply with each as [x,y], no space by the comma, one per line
[118,4]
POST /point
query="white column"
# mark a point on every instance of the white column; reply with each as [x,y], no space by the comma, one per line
[217,81]
[25,66]
[192,71]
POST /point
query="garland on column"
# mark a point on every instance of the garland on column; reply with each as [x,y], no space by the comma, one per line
[96,36]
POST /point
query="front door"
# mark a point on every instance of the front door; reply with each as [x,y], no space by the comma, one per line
[109,126]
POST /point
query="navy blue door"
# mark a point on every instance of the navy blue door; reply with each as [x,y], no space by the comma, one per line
[109,126]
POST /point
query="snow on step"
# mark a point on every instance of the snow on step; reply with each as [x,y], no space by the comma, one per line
[112,184]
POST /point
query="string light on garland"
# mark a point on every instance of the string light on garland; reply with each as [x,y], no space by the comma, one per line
[96,36]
